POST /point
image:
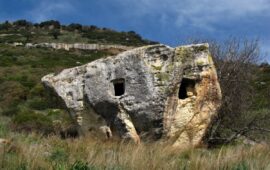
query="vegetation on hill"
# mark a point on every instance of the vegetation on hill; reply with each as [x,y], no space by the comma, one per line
[29,117]
[23,98]
[245,105]
[52,31]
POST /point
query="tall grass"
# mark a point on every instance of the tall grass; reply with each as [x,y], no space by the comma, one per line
[36,152]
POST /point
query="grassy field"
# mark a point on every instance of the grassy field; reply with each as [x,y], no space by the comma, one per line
[32,151]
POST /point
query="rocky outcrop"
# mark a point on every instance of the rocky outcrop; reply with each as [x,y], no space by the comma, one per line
[80,46]
[152,92]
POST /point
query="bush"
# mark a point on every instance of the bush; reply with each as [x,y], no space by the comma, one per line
[38,90]
[79,165]
[58,155]
[73,27]
[28,121]
[241,166]
[11,110]
[22,23]
[236,63]
[38,104]
[5,26]
[55,33]
[13,94]
[55,24]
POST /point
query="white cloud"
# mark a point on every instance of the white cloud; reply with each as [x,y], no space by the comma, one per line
[48,9]
[197,13]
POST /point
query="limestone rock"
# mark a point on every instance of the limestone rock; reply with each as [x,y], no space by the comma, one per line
[151,92]
[80,46]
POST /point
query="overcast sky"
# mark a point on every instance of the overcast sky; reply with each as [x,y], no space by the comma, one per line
[167,21]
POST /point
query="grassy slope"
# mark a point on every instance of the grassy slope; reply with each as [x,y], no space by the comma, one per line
[23,98]
[35,34]
[33,151]
[24,106]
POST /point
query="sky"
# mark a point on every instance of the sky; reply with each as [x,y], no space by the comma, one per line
[170,22]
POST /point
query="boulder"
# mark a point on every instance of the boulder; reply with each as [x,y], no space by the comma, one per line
[148,93]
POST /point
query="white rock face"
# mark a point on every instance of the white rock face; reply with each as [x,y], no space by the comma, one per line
[152,92]
[81,46]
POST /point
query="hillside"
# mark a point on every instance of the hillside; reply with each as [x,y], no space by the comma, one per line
[52,31]
[35,123]
[22,96]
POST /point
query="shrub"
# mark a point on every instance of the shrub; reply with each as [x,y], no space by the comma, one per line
[241,166]
[22,23]
[5,26]
[38,90]
[3,130]
[28,120]
[236,63]
[10,111]
[55,33]
[58,155]
[38,104]
[74,26]
[55,24]
[79,165]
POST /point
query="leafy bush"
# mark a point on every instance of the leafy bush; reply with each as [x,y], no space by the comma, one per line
[3,129]
[38,104]
[5,26]
[74,26]
[79,165]
[22,23]
[241,166]
[38,90]
[59,155]
[54,23]
[28,120]
[10,111]
[240,113]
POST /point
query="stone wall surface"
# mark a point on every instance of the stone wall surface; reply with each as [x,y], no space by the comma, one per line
[152,92]
[80,46]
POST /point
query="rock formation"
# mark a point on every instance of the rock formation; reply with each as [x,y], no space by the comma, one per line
[80,46]
[151,92]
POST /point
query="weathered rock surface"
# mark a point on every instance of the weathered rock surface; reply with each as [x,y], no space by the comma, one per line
[152,92]
[81,46]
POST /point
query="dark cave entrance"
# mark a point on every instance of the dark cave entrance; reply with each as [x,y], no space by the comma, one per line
[119,87]
[187,85]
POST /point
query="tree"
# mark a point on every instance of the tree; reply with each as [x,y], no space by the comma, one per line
[240,114]
[28,35]
[47,24]
[22,23]
[5,26]
[74,26]
[55,33]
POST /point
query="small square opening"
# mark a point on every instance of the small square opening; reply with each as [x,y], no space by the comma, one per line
[119,87]
[187,88]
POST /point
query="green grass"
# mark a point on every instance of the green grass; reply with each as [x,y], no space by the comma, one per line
[33,151]
[22,95]
[67,35]
[29,116]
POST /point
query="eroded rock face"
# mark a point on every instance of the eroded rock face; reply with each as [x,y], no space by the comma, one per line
[152,92]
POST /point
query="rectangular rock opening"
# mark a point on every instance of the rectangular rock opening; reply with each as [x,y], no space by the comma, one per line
[119,87]
[187,88]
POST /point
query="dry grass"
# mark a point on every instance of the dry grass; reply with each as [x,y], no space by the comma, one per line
[36,152]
